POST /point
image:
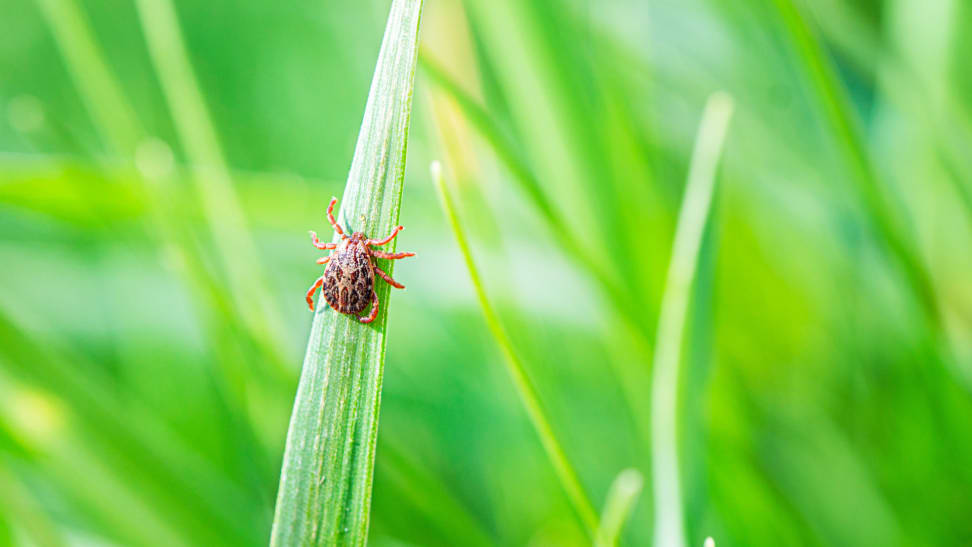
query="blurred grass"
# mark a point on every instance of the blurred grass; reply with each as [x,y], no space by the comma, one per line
[518,374]
[621,498]
[824,400]
[693,216]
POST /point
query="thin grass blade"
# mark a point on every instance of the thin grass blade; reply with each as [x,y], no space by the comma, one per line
[669,521]
[621,498]
[843,125]
[122,133]
[524,386]
[506,151]
[221,205]
[100,90]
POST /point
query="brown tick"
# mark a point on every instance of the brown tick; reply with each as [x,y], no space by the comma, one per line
[349,278]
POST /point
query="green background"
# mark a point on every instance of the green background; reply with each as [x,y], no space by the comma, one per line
[825,385]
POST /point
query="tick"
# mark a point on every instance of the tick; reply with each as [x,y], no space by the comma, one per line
[349,278]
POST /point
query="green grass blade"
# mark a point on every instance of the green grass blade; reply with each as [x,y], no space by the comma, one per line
[119,126]
[669,521]
[155,464]
[17,503]
[500,143]
[632,320]
[506,151]
[621,498]
[114,117]
[524,387]
[324,496]
[844,128]
[421,488]
[220,202]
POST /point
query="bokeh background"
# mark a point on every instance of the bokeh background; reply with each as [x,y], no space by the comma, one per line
[149,356]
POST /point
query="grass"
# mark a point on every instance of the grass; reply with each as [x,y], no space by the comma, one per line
[821,398]
[692,218]
[113,113]
[324,496]
[221,206]
[847,138]
[524,387]
[621,498]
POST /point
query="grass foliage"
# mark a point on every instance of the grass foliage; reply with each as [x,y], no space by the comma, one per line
[161,163]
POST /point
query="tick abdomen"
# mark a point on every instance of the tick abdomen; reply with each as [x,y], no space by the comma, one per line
[348,283]
[348,278]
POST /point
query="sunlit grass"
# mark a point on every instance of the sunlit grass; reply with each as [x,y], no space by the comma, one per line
[822,392]
[324,497]
[692,218]
[525,389]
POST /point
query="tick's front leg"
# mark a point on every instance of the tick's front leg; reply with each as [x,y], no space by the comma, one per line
[310,292]
[324,259]
[389,279]
[387,239]
[390,256]
[323,246]
[374,308]
[330,218]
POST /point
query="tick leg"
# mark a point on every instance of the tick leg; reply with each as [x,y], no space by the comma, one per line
[389,279]
[317,243]
[310,292]
[374,308]
[330,218]
[387,239]
[390,256]
[323,259]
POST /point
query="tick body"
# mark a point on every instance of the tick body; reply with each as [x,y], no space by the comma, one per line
[348,283]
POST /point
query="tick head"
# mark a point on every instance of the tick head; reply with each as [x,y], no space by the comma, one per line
[357,236]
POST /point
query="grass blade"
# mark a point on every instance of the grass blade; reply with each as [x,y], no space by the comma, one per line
[211,174]
[671,323]
[524,387]
[506,151]
[620,501]
[843,125]
[325,484]
[155,464]
[425,491]
[17,503]
[102,95]
[122,133]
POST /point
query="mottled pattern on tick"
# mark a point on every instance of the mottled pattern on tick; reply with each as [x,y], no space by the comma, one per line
[348,278]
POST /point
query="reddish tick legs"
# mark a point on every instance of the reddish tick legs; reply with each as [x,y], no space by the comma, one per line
[390,256]
[374,309]
[330,218]
[388,278]
[323,259]
[387,239]
[317,243]
[310,292]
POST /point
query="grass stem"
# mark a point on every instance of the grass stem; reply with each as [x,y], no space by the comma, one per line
[220,203]
[524,387]
[621,498]
[843,126]
[324,497]
[692,218]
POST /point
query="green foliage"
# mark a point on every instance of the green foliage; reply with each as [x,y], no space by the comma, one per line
[621,498]
[157,182]
[515,367]
[692,218]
